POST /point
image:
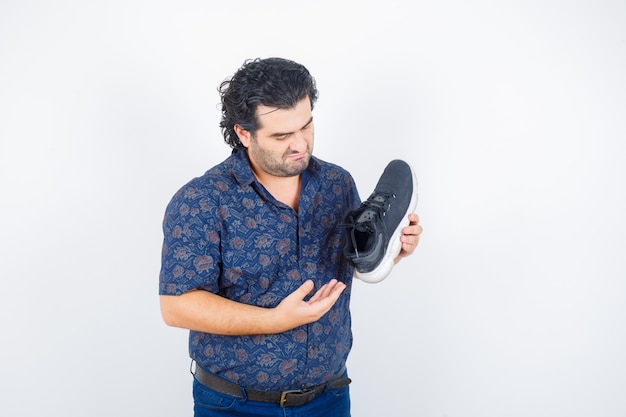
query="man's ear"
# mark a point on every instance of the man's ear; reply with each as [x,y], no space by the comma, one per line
[243,134]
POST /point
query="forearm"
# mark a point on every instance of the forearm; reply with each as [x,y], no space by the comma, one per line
[210,313]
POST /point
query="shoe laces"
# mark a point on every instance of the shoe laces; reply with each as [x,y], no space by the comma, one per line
[372,209]
[377,204]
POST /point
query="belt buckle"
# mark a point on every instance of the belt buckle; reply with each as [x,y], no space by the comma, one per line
[283,395]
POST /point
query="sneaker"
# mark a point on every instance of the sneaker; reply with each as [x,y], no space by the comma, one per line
[374,229]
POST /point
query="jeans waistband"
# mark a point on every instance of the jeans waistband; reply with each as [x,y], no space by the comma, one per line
[288,398]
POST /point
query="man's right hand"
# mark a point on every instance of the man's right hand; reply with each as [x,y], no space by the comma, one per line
[294,311]
[210,313]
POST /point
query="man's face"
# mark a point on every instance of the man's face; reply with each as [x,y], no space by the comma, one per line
[283,144]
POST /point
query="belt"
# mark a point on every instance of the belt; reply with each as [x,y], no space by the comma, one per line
[289,398]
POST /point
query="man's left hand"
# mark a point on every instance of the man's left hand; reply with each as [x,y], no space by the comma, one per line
[410,236]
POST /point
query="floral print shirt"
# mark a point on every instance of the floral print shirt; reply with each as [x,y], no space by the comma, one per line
[225,233]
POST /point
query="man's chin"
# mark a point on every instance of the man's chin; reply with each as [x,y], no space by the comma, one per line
[296,167]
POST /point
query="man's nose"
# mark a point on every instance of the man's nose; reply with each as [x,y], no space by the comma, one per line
[298,141]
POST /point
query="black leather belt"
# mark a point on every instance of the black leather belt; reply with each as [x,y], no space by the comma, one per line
[288,398]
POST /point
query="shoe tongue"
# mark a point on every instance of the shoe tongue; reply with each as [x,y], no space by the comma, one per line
[366,216]
[369,214]
[365,221]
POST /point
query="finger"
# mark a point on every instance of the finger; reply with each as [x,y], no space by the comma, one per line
[329,293]
[323,291]
[329,288]
[304,289]
[335,291]
[413,230]
[409,244]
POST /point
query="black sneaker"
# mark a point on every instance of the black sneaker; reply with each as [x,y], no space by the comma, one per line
[374,229]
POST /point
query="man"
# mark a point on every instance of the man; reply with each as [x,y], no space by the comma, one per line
[252,257]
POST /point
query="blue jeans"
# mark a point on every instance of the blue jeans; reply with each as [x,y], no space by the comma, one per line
[208,403]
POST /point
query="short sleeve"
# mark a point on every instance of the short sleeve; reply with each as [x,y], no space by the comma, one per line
[190,257]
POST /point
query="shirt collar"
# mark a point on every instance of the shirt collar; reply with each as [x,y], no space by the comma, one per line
[241,169]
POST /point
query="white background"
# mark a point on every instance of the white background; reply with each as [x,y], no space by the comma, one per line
[513,115]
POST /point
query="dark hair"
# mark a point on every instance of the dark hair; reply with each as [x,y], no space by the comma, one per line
[272,82]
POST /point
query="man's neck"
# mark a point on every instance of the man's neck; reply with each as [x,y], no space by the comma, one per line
[284,189]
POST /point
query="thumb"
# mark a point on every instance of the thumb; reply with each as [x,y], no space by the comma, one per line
[305,289]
